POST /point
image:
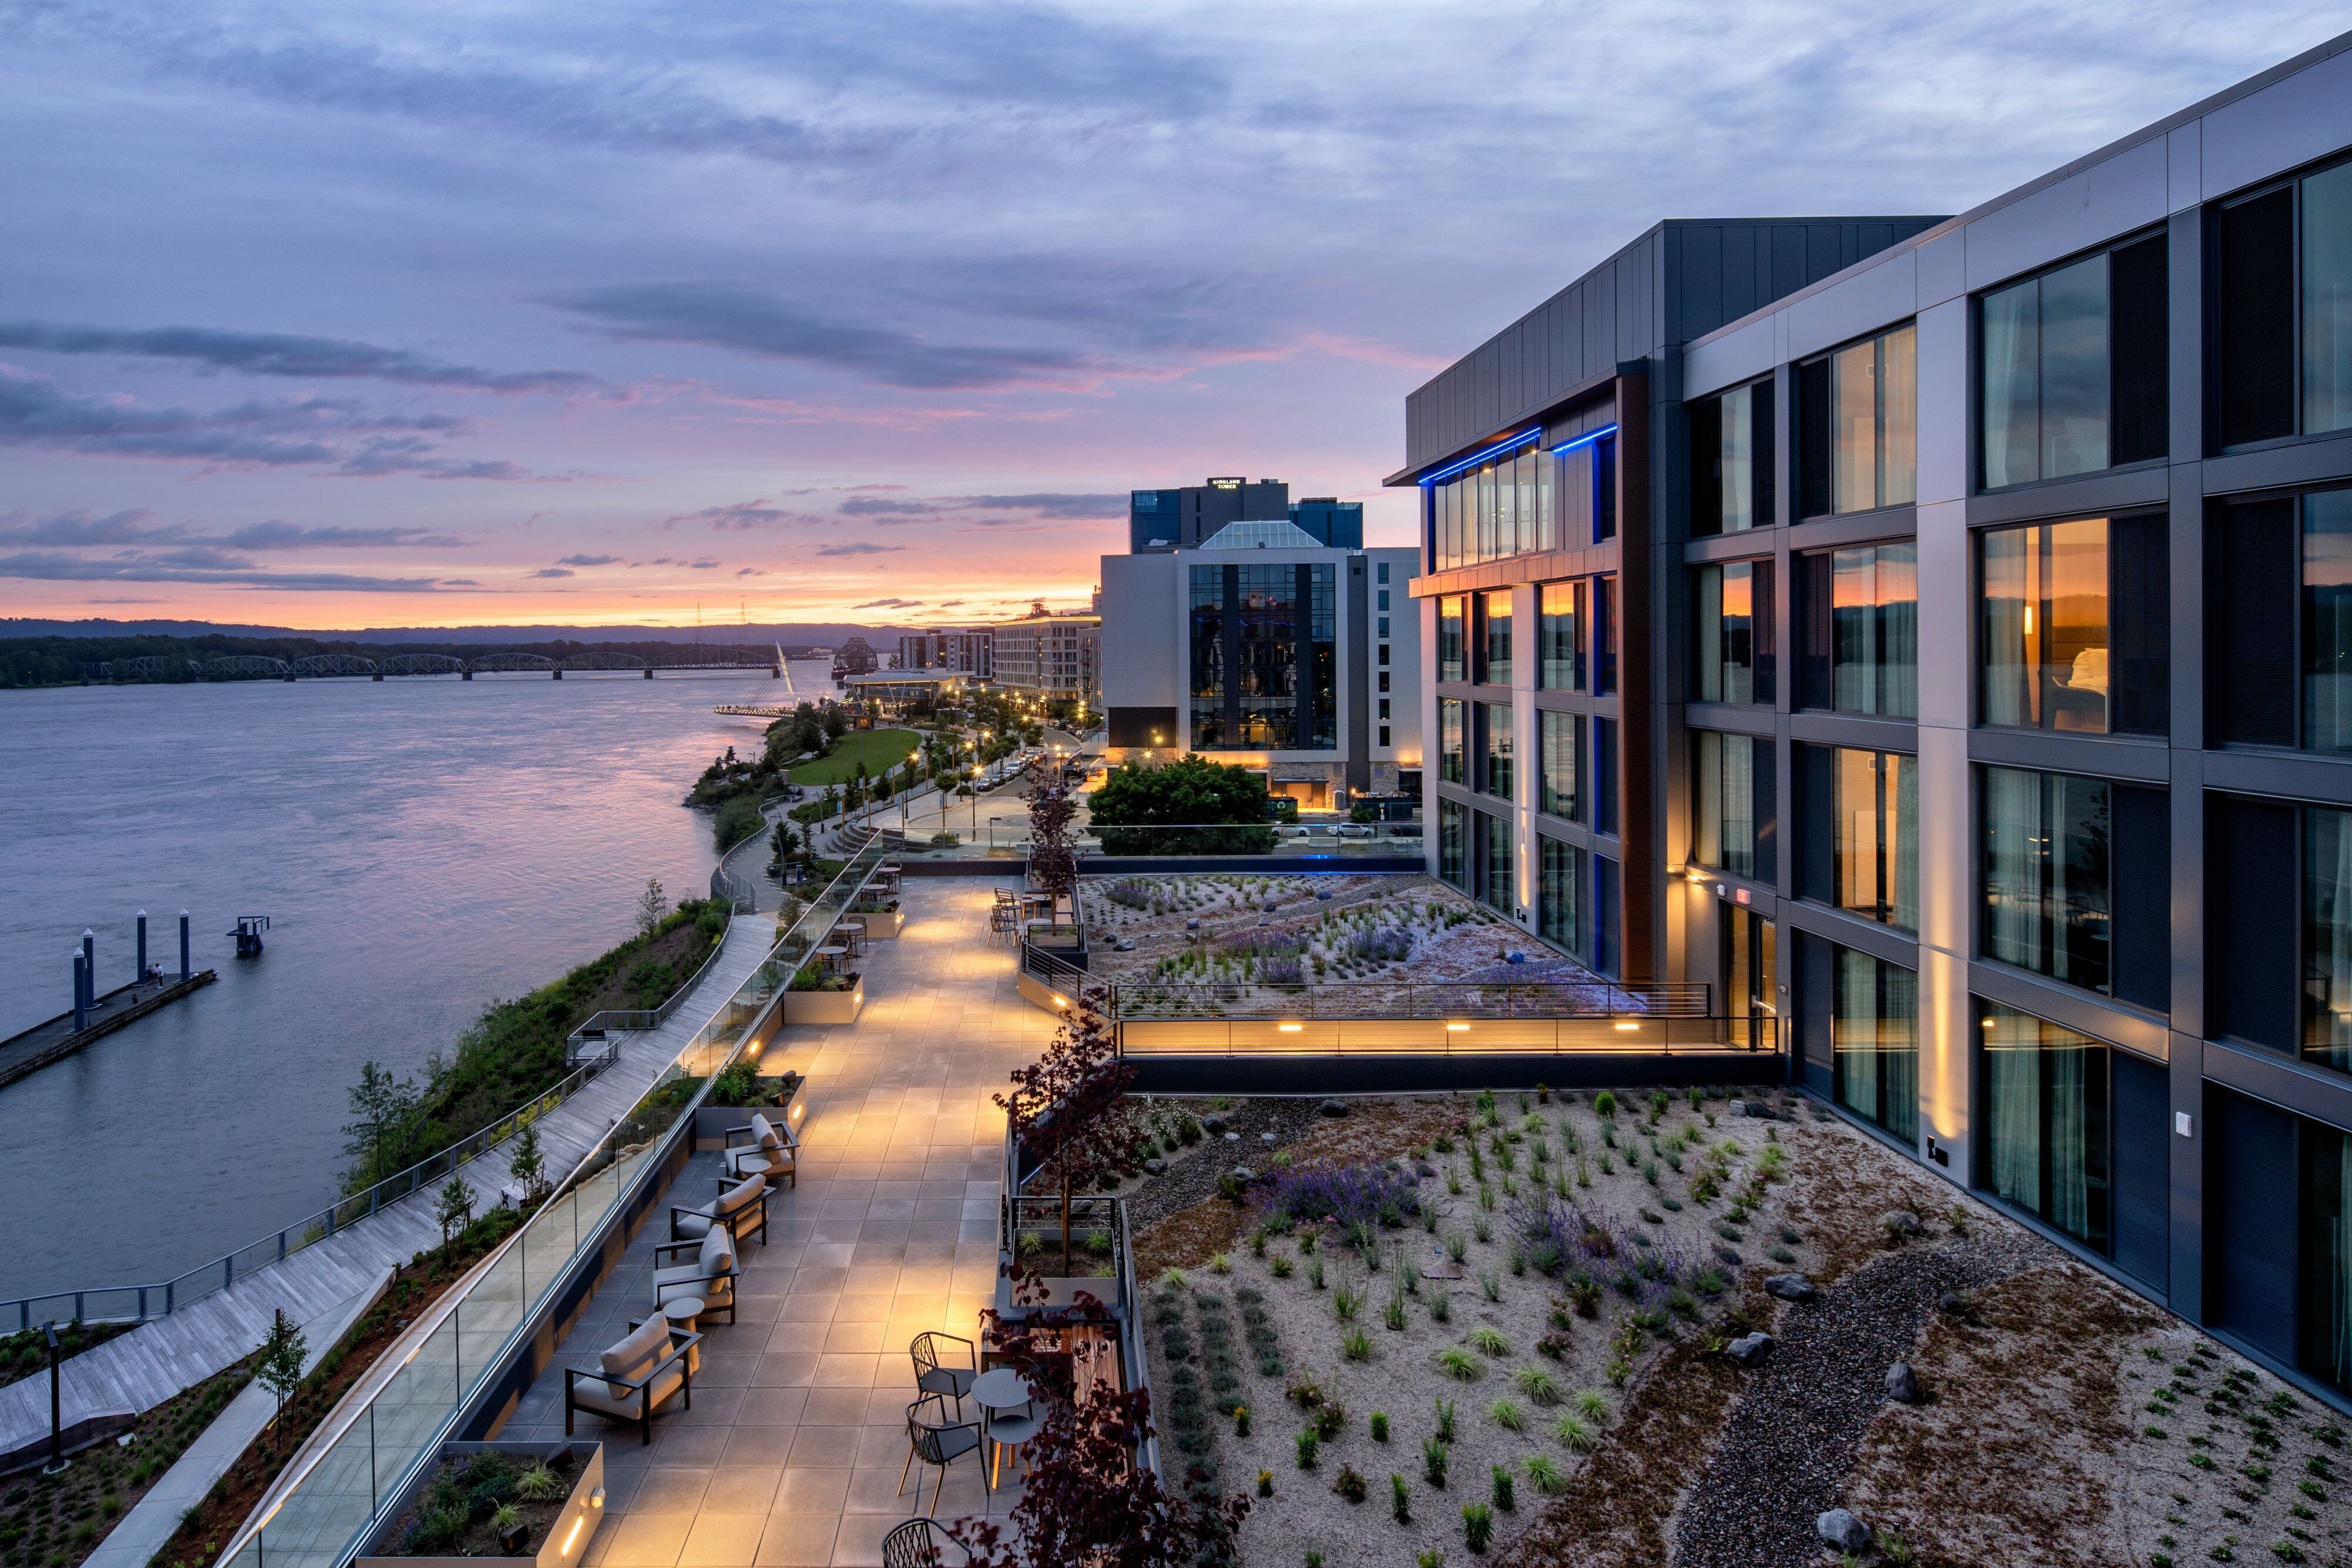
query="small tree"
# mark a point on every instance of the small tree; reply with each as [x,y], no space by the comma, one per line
[279,1369]
[1052,857]
[1088,1501]
[383,1111]
[454,1212]
[526,1164]
[652,904]
[1069,1106]
[786,842]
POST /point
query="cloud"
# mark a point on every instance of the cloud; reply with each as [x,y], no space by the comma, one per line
[57,567]
[883,507]
[304,432]
[749,571]
[861,548]
[705,564]
[889,604]
[283,354]
[275,535]
[1087,508]
[586,559]
[459,582]
[77,527]
[554,571]
[745,515]
[731,316]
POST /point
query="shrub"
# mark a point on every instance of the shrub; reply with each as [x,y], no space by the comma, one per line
[1400,1499]
[1308,1444]
[1477,1525]
[1315,1272]
[1219,1263]
[1538,1384]
[1380,1424]
[1545,1475]
[1507,1413]
[1575,1432]
[1489,1341]
[1279,1266]
[1350,1194]
[1594,1404]
[1445,1420]
[1441,1308]
[1605,1105]
[1457,1363]
[1434,1454]
[1265,1483]
[1491,1284]
[1351,1484]
[1346,1302]
[1328,1418]
[1507,1497]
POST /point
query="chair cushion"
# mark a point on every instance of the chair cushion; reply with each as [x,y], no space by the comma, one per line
[690,1224]
[762,1133]
[747,1191]
[632,1358]
[718,1254]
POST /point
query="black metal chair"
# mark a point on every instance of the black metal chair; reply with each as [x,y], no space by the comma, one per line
[936,1440]
[916,1545]
[934,1376]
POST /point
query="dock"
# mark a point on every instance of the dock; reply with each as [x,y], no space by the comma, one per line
[57,1040]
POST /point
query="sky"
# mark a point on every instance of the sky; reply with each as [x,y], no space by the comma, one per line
[422,314]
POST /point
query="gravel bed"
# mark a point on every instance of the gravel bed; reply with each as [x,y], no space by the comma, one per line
[1791,1439]
[1191,1175]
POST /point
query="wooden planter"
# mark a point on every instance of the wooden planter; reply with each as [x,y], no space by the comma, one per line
[565,1544]
[825,1006]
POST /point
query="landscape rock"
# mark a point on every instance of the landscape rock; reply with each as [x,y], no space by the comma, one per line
[1194,923]
[1791,1287]
[1841,1530]
[1213,1123]
[1242,1175]
[1233,1137]
[1903,1383]
[1323,894]
[1124,945]
[1265,1137]
[1333,1107]
[1953,1303]
[1750,1349]
[1155,1166]
[1760,1110]
[1899,1222]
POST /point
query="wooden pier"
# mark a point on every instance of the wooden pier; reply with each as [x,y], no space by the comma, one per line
[57,1040]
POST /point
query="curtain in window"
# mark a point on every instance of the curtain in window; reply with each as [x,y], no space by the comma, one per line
[2070,1198]
[1854,1033]
[2009,557]
[2327,301]
[2011,357]
[2327,937]
[1739,806]
[1902,840]
[2327,1256]
[2013,1070]
[2327,621]
[2016,851]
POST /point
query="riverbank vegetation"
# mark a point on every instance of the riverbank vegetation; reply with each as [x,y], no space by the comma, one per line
[515,1049]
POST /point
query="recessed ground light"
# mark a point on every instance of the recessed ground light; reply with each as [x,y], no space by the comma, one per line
[1629,1026]
[1457,1029]
[1290,1028]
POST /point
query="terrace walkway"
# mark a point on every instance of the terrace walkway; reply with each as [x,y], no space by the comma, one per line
[793,1450]
[140,1369]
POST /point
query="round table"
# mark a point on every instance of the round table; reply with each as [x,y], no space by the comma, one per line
[1004,1389]
[681,1311]
[827,955]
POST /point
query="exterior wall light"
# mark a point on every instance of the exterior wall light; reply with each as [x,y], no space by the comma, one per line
[1457,1029]
[1629,1026]
[1289,1027]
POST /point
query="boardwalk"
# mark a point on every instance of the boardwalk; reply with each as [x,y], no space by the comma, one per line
[793,1450]
[156,1361]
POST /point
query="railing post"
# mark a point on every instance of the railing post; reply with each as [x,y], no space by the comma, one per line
[228,1270]
[78,1313]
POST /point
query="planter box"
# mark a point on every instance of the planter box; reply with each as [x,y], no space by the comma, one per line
[883,925]
[565,1544]
[1059,1293]
[825,1006]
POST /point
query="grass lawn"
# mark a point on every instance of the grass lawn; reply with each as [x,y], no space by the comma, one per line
[877,748]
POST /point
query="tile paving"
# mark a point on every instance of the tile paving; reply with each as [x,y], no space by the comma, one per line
[793,1452]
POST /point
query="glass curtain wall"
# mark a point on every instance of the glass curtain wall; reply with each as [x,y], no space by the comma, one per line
[2327,938]
[2327,621]
[1560,636]
[1497,883]
[1875,798]
[1453,749]
[2047,1139]
[1734,623]
[1495,751]
[2282,296]
[2327,302]
[1560,888]
[1605,636]
[1208,631]
[1723,834]
[1731,460]
[1875,1042]
[2045,376]
[1495,638]
[1451,638]
[1864,399]
[1501,507]
[1453,866]
[2325,1319]
[2046,875]
[2043,626]
[1874,630]
[1562,745]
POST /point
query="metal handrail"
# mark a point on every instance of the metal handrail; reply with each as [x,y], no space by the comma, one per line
[1590,997]
[161,1300]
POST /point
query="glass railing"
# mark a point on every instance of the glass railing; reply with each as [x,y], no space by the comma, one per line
[323,1512]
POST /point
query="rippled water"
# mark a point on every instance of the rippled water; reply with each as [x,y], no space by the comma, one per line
[422,848]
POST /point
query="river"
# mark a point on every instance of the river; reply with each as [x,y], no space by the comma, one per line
[421,846]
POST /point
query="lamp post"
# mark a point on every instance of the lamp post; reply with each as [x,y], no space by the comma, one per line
[57,1429]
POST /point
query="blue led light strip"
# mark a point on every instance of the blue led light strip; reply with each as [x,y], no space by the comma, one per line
[1521,439]
[1585,440]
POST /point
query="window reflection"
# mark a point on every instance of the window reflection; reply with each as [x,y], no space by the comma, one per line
[2046,875]
[2044,626]
[1560,636]
[1874,630]
[1871,423]
[1875,798]
[1875,1039]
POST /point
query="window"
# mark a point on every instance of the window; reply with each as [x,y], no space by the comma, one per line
[1494,749]
[1559,642]
[1562,738]
[1588,492]
[1382,569]
[2279,589]
[1858,428]
[1731,461]
[2047,1129]
[2326,1318]
[2073,628]
[1383,603]
[1560,878]
[1452,867]
[1875,800]
[2327,938]
[1605,636]
[2074,368]
[1731,828]
[1499,507]
[2076,877]
[1874,1041]
[1734,623]
[1860,608]
[1384,654]
[1495,638]
[1384,736]
[1452,767]
[1450,644]
[1384,707]
[1497,883]
[1384,626]
[1605,775]
[1606,944]
[1208,662]
[2282,310]
[1385,680]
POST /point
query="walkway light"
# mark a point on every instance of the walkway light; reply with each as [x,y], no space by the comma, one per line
[1290,1028]
[1457,1029]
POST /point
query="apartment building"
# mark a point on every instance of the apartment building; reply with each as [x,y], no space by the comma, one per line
[1932,634]
[1056,657]
[968,652]
[1267,648]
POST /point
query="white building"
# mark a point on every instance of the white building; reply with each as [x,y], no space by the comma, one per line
[1266,648]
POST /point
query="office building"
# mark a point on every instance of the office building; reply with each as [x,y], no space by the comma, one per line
[1266,647]
[1055,657]
[1930,634]
[1326,519]
[1184,518]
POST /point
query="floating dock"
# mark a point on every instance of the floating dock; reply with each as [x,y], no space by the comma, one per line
[57,1040]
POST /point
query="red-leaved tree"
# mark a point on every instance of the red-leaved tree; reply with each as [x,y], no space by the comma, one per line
[1068,1108]
[1052,856]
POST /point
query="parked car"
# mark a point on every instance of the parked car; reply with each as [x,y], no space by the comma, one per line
[1355,830]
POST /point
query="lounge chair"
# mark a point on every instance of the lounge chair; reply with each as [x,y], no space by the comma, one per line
[772,1152]
[702,1270]
[741,1211]
[636,1376]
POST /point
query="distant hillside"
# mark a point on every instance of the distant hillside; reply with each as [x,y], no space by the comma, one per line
[800,634]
